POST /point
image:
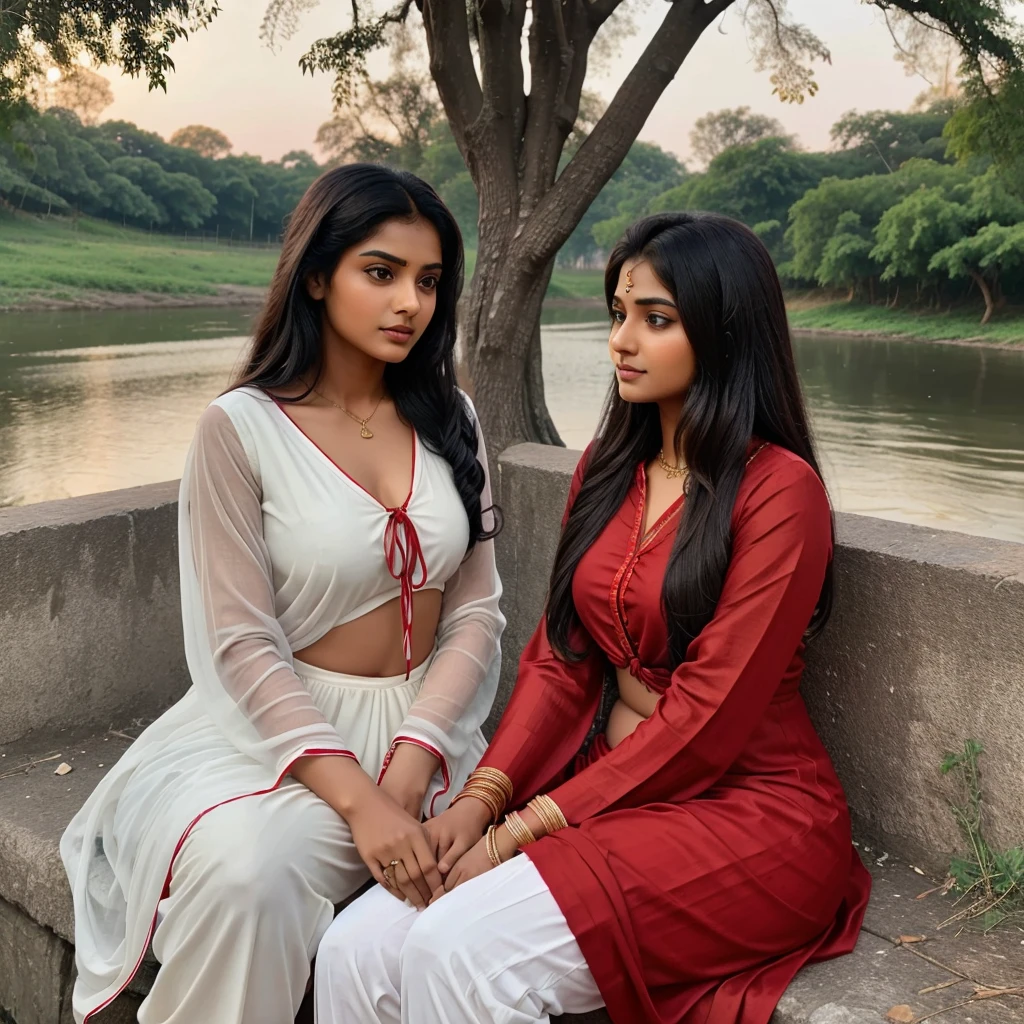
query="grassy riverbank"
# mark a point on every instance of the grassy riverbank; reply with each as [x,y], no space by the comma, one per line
[57,262]
[818,313]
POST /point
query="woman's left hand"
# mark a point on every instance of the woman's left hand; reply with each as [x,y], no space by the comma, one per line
[476,861]
[407,777]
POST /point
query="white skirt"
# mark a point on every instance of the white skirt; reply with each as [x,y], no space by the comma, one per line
[119,850]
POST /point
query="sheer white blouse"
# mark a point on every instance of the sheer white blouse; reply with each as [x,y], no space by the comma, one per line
[285,546]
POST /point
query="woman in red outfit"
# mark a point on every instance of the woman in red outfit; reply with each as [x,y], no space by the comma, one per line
[696,854]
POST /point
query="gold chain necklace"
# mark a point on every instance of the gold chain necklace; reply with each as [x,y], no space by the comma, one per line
[364,431]
[672,472]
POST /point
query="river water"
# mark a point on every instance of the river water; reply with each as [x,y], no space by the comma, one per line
[923,433]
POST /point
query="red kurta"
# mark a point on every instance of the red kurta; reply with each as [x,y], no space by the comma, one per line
[708,855]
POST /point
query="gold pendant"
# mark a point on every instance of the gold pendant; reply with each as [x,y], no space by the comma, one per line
[365,432]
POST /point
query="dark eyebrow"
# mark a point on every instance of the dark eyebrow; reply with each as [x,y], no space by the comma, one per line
[647,302]
[395,259]
[385,256]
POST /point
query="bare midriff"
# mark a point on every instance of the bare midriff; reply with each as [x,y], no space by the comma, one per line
[635,704]
[372,644]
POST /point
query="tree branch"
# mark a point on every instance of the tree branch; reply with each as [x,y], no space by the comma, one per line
[716,7]
[562,207]
[500,27]
[985,30]
[599,11]
[451,64]
[565,118]
[558,68]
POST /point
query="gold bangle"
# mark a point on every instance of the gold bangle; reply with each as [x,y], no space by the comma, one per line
[549,813]
[490,786]
[489,793]
[494,802]
[491,843]
[556,812]
[485,798]
[519,830]
[493,777]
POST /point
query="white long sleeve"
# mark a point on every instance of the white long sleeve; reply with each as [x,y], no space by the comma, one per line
[238,656]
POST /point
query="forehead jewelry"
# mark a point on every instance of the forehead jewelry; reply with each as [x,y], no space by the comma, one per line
[629,281]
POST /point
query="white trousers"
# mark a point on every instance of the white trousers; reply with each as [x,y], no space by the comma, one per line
[496,949]
[252,893]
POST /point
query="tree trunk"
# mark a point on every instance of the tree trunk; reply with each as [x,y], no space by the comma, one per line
[501,358]
[986,294]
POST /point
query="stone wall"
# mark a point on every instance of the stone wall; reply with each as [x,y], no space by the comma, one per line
[90,624]
[925,649]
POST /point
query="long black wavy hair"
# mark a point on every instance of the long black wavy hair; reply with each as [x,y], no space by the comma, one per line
[342,208]
[730,302]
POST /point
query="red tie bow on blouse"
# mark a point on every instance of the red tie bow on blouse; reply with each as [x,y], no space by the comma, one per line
[404,557]
[655,679]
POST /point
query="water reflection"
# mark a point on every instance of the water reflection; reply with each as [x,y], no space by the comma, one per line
[921,433]
[85,406]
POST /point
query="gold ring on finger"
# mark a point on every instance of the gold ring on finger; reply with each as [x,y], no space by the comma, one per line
[388,880]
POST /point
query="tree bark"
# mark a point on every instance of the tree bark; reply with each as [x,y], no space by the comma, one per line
[502,330]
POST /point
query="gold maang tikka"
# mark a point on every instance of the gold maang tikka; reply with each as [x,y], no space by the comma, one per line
[629,281]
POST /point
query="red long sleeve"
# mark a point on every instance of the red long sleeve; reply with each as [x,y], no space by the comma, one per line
[551,710]
[781,548]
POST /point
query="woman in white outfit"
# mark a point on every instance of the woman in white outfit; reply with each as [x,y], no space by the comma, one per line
[340,609]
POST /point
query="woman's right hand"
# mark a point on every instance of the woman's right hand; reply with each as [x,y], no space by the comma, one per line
[383,832]
[457,830]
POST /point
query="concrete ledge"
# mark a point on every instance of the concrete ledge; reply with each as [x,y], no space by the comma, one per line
[925,649]
[90,623]
[36,957]
[35,968]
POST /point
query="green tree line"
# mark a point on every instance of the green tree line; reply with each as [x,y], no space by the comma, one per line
[52,163]
[888,215]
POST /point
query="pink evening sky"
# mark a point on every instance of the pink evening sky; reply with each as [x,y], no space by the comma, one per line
[229,79]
